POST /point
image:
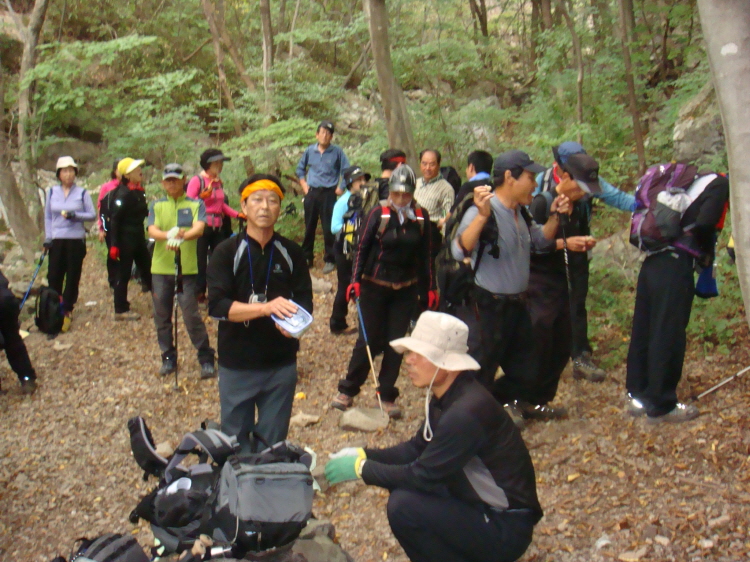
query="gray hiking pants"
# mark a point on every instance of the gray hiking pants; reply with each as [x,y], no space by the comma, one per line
[270,390]
[163,294]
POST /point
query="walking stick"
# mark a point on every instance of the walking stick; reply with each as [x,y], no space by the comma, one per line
[175,301]
[369,356]
[722,383]
[38,267]
[564,219]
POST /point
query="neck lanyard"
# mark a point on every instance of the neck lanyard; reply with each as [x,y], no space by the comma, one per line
[268,274]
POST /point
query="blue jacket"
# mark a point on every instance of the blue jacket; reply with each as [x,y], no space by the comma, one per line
[339,209]
[322,170]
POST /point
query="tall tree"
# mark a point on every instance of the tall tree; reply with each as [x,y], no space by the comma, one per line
[630,81]
[265,22]
[24,229]
[394,105]
[579,65]
[726,29]
[30,36]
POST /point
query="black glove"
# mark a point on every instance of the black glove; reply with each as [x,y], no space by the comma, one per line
[47,244]
[70,215]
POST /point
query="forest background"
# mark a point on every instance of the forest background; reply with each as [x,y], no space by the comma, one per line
[164,79]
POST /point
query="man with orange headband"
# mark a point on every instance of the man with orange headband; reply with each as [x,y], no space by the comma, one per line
[251,277]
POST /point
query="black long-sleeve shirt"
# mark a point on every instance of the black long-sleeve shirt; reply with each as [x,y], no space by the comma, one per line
[128,209]
[701,219]
[401,255]
[259,344]
[476,454]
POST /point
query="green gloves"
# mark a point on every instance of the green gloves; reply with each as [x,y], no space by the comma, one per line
[345,467]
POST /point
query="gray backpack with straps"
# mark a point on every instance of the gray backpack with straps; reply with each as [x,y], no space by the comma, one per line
[110,547]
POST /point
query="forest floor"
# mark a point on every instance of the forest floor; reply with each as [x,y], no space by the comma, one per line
[612,487]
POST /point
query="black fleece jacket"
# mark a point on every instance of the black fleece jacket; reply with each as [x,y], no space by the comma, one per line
[129,209]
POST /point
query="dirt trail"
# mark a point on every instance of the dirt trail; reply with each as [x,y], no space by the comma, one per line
[660,493]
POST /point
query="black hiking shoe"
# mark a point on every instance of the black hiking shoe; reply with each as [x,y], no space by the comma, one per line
[208,371]
[584,368]
[28,386]
[168,366]
[543,412]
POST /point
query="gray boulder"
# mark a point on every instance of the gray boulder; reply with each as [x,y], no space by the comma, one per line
[363,419]
[698,134]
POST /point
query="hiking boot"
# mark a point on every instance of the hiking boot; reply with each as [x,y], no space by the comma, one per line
[393,411]
[124,316]
[168,366]
[328,268]
[208,371]
[66,323]
[515,414]
[543,412]
[28,386]
[342,402]
[584,368]
[337,329]
[635,407]
[680,413]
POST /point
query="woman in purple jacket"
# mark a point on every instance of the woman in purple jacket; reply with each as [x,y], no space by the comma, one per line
[67,206]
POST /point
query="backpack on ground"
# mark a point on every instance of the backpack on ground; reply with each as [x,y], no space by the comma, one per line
[48,315]
[243,502]
[661,199]
[110,547]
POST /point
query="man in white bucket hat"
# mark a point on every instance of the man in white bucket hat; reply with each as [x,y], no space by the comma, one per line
[463,488]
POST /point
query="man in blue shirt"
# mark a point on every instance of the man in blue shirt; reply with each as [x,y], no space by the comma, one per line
[583,366]
[319,172]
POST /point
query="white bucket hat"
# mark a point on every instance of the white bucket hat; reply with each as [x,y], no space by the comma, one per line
[65,162]
[442,339]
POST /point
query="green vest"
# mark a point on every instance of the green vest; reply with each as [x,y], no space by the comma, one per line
[163,215]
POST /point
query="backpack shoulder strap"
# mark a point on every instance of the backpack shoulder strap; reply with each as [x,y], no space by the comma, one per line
[212,442]
[547,181]
[384,218]
[526,215]
[419,213]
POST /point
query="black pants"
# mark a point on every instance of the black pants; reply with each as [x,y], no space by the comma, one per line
[386,313]
[133,248]
[15,349]
[433,528]
[111,264]
[319,202]
[65,265]
[212,237]
[436,240]
[549,308]
[579,280]
[340,306]
[506,341]
[663,300]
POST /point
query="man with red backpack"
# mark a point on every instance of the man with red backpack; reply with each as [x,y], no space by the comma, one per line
[666,286]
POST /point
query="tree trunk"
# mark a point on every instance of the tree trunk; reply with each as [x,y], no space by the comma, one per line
[536,27]
[24,229]
[265,22]
[25,156]
[627,18]
[726,30]
[579,65]
[632,100]
[221,32]
[546,6]
[479,11]
[394,105]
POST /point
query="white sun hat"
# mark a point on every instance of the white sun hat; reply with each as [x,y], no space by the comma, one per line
[442,339]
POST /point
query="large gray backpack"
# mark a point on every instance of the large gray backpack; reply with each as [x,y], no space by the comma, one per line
[110,547]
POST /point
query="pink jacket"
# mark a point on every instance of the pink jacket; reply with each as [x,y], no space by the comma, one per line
[216,207]
[103,190]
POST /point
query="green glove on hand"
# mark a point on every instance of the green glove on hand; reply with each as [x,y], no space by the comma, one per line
[341,469]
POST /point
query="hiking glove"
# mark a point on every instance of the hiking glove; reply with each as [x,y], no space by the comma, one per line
[348,452]
[114,253]
[47,244]
[353,288]
[70,215]
[432,300]
[344,468]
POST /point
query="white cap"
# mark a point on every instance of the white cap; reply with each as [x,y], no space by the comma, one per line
[66,162]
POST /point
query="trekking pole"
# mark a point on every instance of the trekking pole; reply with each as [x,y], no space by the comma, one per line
[722,383]
[175,301]
[571,305]
[369,356]
[38,267]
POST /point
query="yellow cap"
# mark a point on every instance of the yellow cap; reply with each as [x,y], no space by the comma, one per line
[127,165]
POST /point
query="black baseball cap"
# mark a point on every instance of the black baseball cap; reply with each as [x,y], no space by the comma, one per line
[327,125]
[355,172]
[585,170]
[172,171]
[514,159]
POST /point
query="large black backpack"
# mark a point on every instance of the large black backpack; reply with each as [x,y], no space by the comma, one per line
[109,547]
[48,315]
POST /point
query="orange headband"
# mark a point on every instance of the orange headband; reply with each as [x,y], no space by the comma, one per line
[261,185]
